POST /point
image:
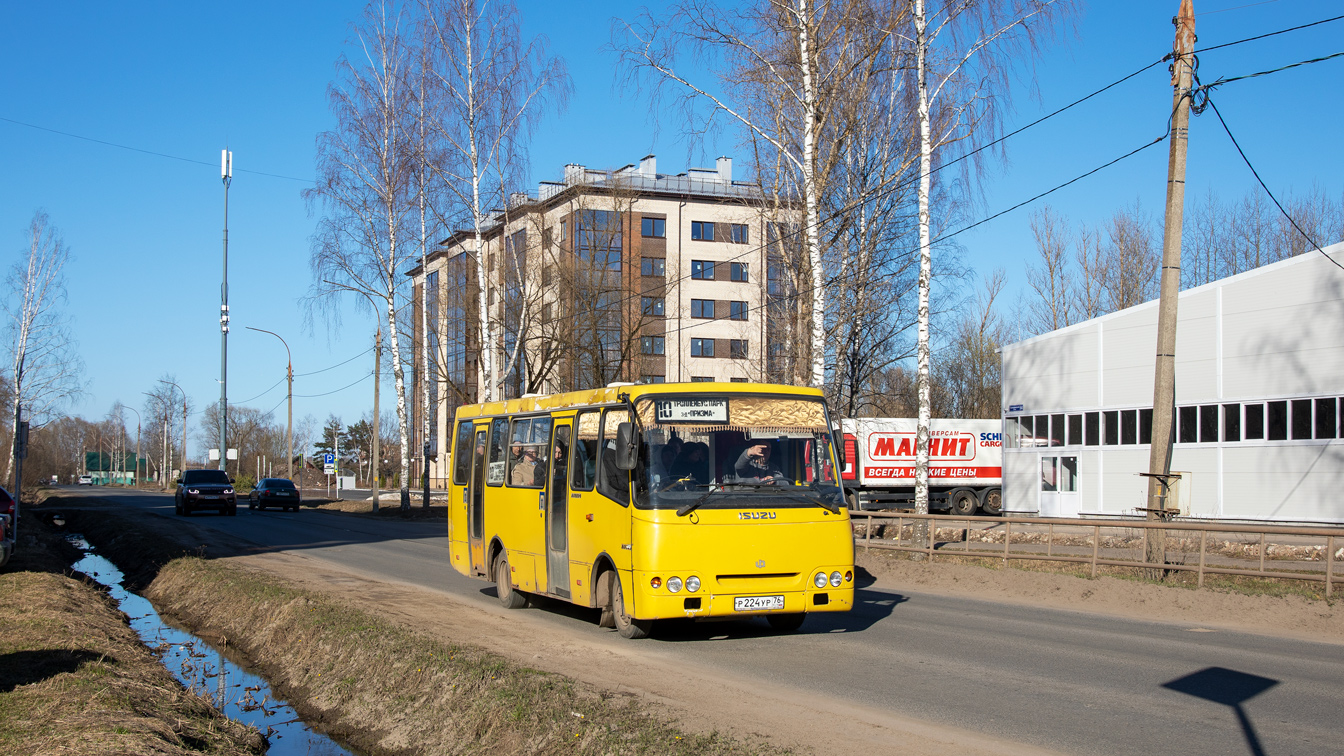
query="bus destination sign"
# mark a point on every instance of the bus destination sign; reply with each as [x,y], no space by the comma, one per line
[692,410]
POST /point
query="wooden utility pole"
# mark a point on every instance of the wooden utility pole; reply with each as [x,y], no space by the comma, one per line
[1164,372]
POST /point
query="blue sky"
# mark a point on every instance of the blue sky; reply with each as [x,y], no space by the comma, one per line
[186,79]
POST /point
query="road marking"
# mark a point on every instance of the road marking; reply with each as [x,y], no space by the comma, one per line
[1199,630]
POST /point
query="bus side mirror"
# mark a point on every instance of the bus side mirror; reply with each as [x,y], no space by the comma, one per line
[838,441]
[625,447]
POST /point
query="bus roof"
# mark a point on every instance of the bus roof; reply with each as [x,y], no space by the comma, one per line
[611,395]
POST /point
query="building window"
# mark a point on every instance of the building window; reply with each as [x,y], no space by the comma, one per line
[702,270]
[1325,418]
[1278,421]
[564,231]
[738,272]
[1092,429]
[1075,437]
[702,231]
[737,349]
[702,308]
[737,380]
[651,344]
[1255,421]
[653,227]
[702,379]
[652,306]
[1110,422]
[1231,422]
[1208,423]
[653,379]
[737,310]
[739,233]
[546,276]
[546,313]
[702,347]
[653,266]
[1301,418]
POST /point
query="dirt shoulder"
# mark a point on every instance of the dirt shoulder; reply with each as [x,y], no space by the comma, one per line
[1289,616]
[75,678]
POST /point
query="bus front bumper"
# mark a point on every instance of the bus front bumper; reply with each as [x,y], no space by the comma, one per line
[660,603]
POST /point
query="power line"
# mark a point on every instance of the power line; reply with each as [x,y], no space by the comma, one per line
[333,367]
[1275,200]
[1267,35]
[144,151]
[1221,81]
[328,393]
[264,393]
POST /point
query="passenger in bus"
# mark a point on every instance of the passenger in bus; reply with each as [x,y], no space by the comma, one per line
[524,466]
[693,463]
[666,458]
[754,465]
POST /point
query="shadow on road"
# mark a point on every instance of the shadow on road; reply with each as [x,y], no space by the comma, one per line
[1229,688]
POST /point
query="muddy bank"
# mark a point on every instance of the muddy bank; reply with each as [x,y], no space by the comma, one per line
[75,678]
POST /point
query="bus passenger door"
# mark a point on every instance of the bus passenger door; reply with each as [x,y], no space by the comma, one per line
[475,495]
[557,515]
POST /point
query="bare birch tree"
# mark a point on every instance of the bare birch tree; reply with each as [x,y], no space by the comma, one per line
[491,87]
[963,51]
[45,370]
[366,187]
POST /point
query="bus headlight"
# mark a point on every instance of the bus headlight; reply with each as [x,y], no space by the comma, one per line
[656,583]
[674,584]
[820,580]
[692,584]
[835,579]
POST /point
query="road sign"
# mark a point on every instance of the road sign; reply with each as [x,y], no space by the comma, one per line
[328,463]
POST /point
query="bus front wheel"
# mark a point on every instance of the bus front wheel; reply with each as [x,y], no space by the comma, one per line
[627,626]
[508,595]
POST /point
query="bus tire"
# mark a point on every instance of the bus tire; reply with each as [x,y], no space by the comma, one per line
[510,597]
[627,626]
[603,593]
[785,623]
[994,502]
[964,504]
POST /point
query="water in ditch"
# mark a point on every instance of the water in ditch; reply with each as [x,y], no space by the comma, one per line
[204,669]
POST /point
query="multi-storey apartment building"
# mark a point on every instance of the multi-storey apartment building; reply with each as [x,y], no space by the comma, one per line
[625,275]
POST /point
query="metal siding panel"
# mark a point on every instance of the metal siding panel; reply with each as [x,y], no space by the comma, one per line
[1284,483]
[1058,372]
[1196,349]
[1019,480]
[1131,341]
[1123,490]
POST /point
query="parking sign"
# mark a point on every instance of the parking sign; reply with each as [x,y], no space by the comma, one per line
[328,463]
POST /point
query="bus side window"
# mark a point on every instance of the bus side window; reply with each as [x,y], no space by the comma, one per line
[462,453]
[584,454]
[611,482]
[499,440]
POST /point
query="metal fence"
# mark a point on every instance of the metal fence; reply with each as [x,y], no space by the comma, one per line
[1291,551]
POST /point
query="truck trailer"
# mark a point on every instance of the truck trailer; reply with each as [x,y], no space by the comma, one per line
[965,464]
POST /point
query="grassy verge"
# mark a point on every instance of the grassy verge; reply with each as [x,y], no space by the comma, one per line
[389,689]
[1241,584]
[75,679]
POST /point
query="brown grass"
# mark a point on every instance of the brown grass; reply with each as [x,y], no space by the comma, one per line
[389,689]
[74,677]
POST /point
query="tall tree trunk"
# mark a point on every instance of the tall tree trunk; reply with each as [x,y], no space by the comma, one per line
[810,199]
[925,263]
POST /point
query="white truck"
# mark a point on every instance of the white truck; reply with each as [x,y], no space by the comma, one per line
[965,464]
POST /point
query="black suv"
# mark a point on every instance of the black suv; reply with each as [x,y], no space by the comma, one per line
[205,489]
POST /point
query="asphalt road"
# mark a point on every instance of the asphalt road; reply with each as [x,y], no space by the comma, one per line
[1069,681]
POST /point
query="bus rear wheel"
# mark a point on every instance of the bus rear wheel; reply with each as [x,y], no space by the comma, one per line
[627,626]
[785,623]
[510,597]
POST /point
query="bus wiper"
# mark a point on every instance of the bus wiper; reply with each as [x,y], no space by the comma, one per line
[686,509]
[826,505]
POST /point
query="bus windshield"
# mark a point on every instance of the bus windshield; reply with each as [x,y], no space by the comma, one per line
[765,450]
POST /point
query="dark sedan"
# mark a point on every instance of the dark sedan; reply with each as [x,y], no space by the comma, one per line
[205,489]
[274,492]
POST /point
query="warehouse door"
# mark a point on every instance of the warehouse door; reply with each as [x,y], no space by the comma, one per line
[1059,486]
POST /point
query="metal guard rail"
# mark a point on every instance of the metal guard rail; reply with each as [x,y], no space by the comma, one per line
[1329,534]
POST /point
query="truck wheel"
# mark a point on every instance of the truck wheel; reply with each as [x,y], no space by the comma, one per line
[964,505]
[785,623]
[510,597]
[627,626]
[994,502]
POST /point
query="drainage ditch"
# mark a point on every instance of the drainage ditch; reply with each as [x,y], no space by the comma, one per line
[209,671]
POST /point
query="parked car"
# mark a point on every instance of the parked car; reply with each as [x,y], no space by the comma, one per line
[205,489]
[86,480]
[274,492]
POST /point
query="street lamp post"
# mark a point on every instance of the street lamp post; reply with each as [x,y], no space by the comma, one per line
[225,173]
[184,420]
[163,467]
[289,373]
[136,478]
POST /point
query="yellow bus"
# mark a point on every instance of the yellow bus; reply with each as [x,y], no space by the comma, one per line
[655,501]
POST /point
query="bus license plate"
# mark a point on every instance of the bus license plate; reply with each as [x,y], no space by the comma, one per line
[757,603]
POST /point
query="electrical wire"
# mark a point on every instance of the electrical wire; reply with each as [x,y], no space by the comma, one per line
[1274,199]
[328,393]
[264,393]
[1221,81]
[1269,34]
[333,367]
[144,151]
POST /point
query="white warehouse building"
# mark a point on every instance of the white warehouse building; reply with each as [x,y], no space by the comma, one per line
[1259,403]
